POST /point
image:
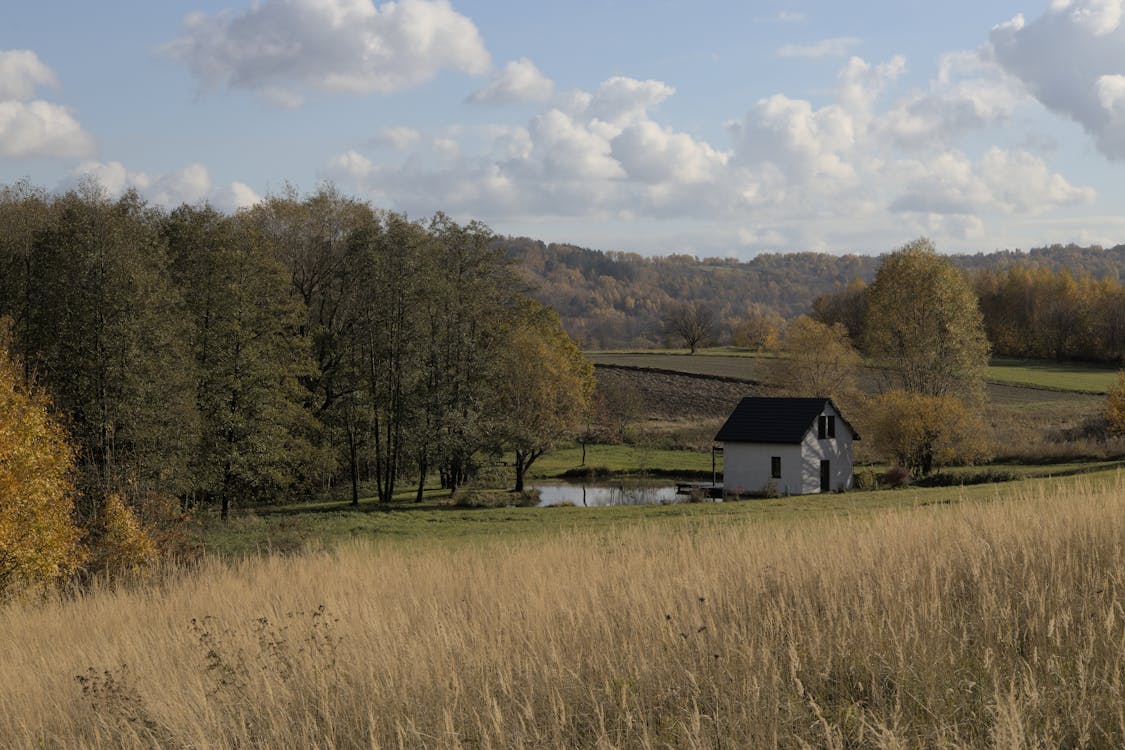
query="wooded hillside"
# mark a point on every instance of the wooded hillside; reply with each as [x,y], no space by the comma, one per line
[611,299]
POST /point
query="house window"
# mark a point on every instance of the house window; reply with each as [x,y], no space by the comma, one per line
[826,427]
[775,467]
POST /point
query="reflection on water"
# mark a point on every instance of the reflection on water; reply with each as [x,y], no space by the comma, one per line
[600,495]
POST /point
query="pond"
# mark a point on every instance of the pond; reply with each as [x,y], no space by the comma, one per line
[602,495]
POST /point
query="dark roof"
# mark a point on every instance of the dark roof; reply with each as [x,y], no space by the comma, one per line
[758,419]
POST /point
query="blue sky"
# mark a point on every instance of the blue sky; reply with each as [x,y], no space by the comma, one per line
[712,127]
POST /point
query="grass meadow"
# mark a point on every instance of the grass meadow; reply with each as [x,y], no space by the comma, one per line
[994,619]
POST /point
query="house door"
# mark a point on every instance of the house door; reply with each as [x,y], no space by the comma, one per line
[825,476]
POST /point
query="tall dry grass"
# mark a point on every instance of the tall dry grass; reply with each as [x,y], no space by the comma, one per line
[996,625]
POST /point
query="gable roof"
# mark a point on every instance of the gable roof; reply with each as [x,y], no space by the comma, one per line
[758,419]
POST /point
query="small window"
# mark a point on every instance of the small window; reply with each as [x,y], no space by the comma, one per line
[826,427]
[775,467]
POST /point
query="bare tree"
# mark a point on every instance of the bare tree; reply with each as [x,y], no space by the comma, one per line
[695,323]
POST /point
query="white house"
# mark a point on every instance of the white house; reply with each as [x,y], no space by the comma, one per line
[793,446]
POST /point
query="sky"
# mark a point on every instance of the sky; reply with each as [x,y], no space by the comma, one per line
[712,127]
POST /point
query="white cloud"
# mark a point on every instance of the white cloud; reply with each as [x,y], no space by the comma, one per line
[1008,182]
[282,49]
[791,16]
[399,138]
[35,127]
[21,72]
[39,128]
[519,81]
[1111,92]
[826,175]
[1071,59]
[191,184]
[838,46]
[970,92]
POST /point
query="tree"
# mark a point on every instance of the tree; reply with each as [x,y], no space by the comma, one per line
[817,360]
[542,388]
[250,356]
[1115,406]
[108,335]
[922,431]
[39,542]
[924,324]
[847,306]
[759,328]
[695,323]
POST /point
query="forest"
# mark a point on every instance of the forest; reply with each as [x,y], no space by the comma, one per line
[1056,302]
[311,343]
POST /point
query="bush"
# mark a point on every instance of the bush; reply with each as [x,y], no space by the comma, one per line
[39,542]
[120,544]
[866,479]
[895,477]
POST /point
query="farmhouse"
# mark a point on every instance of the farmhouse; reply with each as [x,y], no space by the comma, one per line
[792,446]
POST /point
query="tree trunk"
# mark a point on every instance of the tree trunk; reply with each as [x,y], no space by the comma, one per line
[422,469]
[520,468]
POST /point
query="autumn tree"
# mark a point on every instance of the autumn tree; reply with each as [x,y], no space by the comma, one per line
[758,328]
[816,360]
[1115,406]
[921,431]
[542,387]
[694,322]
[924,325]
[39,542]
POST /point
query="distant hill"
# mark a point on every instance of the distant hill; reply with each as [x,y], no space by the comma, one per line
[613,299]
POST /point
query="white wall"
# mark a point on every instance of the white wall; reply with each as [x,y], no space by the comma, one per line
[746,466]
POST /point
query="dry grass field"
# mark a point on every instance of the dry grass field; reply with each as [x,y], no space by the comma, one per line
[989,625]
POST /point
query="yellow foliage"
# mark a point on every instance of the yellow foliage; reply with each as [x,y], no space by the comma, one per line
[1115,406]
[39,542]
[122,545]
[923,432]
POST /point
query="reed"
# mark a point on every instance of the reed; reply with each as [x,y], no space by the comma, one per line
[985,625]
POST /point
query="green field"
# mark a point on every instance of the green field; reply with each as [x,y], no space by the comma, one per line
[1064,376]
[291,529]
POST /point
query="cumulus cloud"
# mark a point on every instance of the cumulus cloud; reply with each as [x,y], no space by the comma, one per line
[810,174]
[970,92]
[283,49]
[1009,182]
[35,127]
[191,184]
[519,81]
[838,46]
[1072,59]
[399,138]
[21,73]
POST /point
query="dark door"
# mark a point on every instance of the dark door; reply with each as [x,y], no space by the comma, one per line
[825,476]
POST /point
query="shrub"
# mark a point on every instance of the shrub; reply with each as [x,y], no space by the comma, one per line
[895,477]
[120,544]
[39,543]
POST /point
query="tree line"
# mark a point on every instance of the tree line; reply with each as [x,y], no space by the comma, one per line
[1052,302]
[309,342]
